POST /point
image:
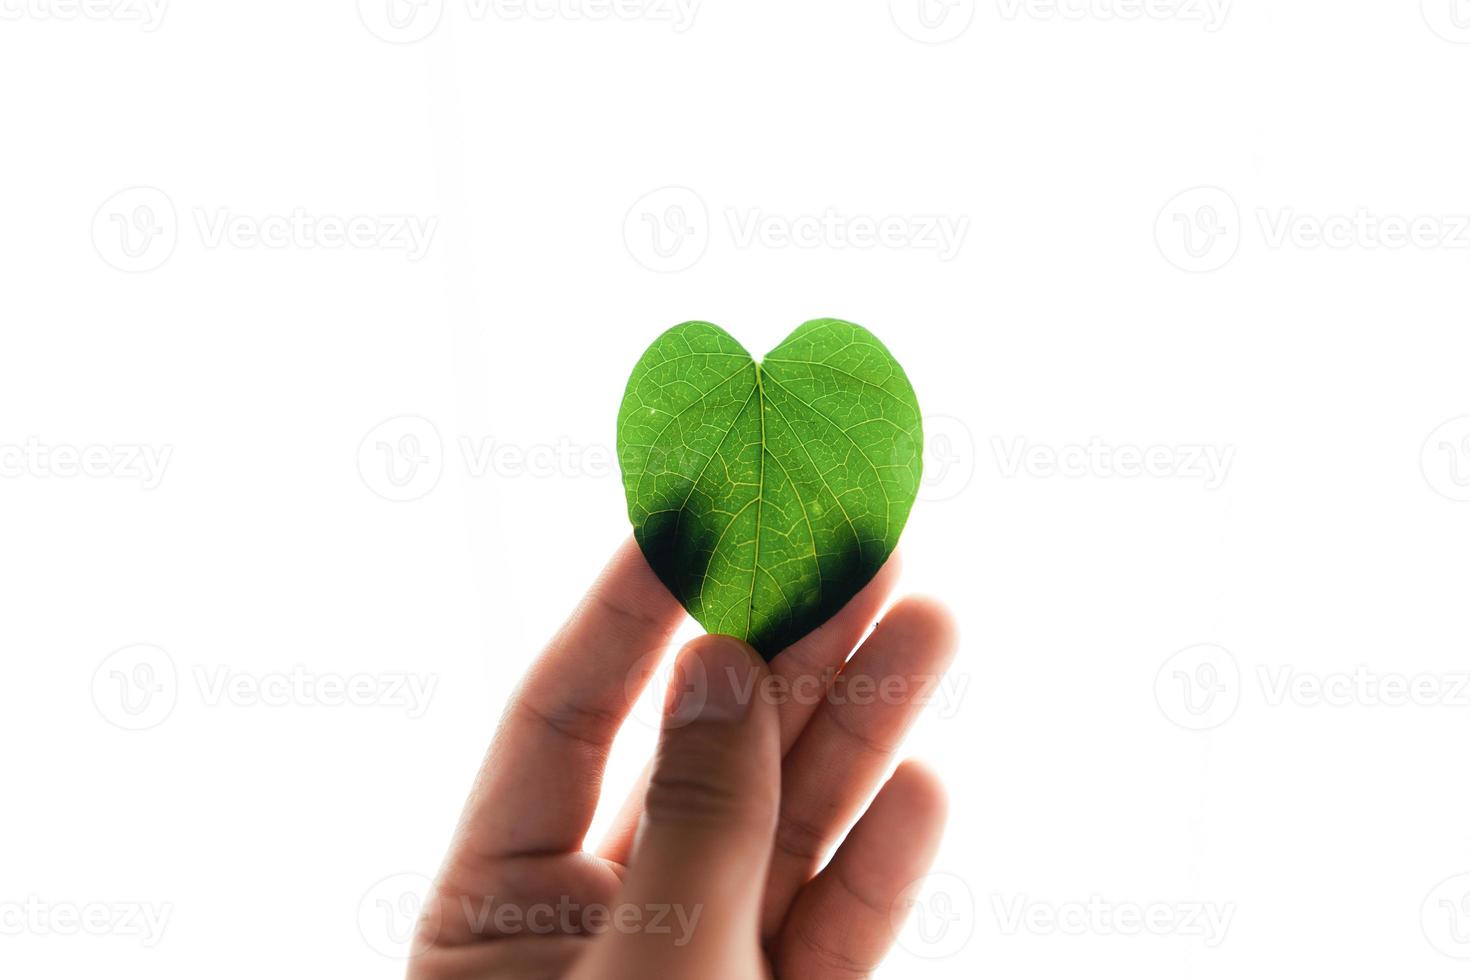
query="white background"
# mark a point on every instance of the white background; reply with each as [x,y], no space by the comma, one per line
[1138,189]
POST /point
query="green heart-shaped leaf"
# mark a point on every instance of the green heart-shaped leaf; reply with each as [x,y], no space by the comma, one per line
[766,495]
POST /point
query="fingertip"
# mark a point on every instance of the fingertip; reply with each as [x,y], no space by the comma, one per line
[893,567]
[921,789]
[716,678]
[722,646]
[629,576]
[715,652]
[897,838]
[925,620]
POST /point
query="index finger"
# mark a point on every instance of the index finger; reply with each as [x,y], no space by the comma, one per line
[537,790]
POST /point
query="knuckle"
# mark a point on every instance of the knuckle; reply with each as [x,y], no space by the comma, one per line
[691,798]
[701,781]
[835,961]
[590,724]
[800,838]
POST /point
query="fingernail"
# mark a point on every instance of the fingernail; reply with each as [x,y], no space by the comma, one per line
[716,681]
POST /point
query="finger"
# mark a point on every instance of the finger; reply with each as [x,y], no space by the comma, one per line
[845,919]
[806,668]
[804,671]
[846,748]
[529,958]
[537,895]
[705,837]
[537,789]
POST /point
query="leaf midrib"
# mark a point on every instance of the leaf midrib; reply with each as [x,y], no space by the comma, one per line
[760,496]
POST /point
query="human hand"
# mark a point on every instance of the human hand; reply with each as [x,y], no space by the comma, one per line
[714,869]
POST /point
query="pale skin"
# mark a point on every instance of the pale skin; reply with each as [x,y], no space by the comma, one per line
[761,771]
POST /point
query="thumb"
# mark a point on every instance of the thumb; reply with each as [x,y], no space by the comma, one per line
[709,819]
